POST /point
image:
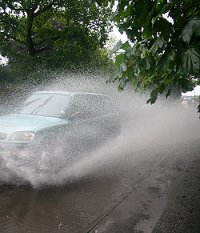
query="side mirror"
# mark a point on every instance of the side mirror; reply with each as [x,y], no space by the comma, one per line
[77,115]
[63,114]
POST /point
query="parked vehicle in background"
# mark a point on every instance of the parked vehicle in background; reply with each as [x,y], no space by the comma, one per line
[189,101]
[52,123]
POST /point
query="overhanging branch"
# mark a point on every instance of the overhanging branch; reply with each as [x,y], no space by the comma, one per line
[46,8]
[17,40]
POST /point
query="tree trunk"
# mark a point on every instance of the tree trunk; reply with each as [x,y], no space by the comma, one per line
[29,39]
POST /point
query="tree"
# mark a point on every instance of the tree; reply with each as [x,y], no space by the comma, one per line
[52,33]
[164,49]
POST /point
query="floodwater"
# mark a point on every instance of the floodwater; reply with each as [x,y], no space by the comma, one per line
[73,207]
[131,170]
[93,200]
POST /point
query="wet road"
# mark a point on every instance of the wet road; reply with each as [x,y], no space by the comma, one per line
[118,197]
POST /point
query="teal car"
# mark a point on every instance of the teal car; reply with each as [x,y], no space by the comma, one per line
[51,123]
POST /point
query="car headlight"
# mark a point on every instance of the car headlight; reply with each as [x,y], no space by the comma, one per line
[22,136]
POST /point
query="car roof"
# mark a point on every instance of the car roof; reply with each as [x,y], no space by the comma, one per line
[70,93]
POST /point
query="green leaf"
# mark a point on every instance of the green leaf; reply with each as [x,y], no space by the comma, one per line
[127,12]
[126,46]
[168,93]
[114,76]
[148,63]
[192,28]
[153,96]
[198,107]
[168,56]
[159,43]
[191,61]
[117,46]
[130,51]
[119,58]
[123,67]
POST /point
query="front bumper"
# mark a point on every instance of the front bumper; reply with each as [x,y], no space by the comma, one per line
[7,148]
[23,155]
[17,154]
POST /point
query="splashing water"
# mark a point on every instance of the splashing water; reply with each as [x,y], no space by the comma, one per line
[143,127]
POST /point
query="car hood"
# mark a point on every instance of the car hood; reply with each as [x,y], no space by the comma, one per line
[18,122]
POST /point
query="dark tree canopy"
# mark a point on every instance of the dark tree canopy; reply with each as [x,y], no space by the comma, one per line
[165,49]
[55,33]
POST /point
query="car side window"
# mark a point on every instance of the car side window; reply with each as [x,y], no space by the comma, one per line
[81,107]
[90,106]
[101,105]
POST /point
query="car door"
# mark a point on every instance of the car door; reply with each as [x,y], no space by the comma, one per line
[82,120]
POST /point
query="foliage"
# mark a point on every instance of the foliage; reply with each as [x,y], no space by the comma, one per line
[52,33]
[6,77]
[163,52]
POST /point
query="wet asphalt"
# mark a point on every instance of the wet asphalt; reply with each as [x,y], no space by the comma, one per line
[127,195]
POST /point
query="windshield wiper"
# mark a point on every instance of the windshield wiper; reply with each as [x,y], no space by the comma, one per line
[40,106]
[19,109]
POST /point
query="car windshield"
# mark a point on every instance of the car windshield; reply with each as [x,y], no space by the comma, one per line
[45,104]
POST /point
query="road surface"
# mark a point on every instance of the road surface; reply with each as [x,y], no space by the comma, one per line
[128,195]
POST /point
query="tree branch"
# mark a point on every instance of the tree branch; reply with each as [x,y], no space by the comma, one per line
[17,40]
[46,8]
[29,40]
[40,50]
